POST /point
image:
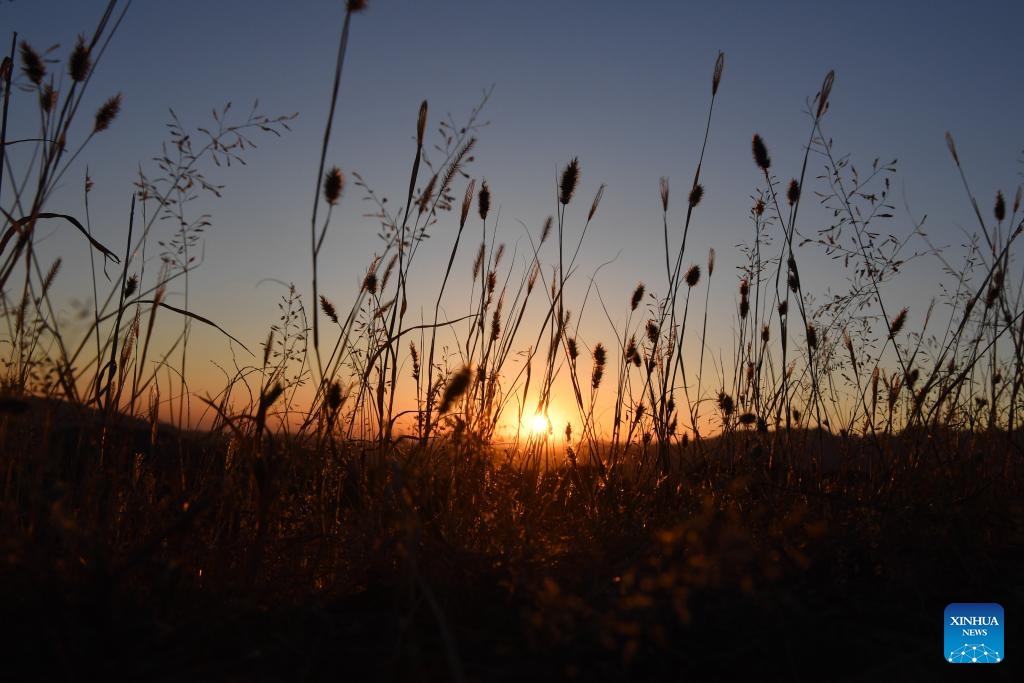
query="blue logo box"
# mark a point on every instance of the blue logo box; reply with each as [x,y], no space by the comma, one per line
[973,633]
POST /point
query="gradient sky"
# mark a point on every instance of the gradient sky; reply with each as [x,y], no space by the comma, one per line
[623,85]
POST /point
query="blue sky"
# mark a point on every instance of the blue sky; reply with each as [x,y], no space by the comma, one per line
[622,85]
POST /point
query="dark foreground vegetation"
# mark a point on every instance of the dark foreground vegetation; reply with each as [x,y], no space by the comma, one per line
[803,511]
[138,554]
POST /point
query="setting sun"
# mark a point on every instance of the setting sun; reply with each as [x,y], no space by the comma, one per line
[590,339]
[539,424]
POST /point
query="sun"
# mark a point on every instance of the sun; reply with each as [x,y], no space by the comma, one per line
[539,424]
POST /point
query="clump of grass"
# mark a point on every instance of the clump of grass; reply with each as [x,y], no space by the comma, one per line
[411,516]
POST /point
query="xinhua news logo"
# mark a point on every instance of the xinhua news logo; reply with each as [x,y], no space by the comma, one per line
[974,633]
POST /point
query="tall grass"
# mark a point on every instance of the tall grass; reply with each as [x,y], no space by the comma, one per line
[388,479]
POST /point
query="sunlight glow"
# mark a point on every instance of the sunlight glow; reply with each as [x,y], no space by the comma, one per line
[539,424]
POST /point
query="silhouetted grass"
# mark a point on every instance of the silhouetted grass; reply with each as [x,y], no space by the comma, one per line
[864,470]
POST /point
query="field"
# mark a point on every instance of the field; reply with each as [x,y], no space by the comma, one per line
[383,497]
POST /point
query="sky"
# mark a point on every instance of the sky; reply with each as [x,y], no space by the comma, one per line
[624,86]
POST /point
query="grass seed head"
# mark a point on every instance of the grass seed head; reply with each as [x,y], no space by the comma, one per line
[334,185]
[79,63]
[427,194]
[600,358]
[630,349]
[897,323]
[421,122]
[725,404]
[130,286]
[478,262]
[47,98]
[457,385]
[531,280]
[693,276]
[711,261]
[414,354]
[663,191]
[652,331]
[826,90]
[496,323]
[467,201]
[483,200]
[356,6]
[334,398]
[106,114]
[597,201]
[638,295]
[32,64]
[328,308]
[695,195]
[716,77]
[1000,207]
[370,281]
[793,192]
[895,385]
[951,144]
[995,288]
[761,158]
[268,399]
[545,231]
[570,178]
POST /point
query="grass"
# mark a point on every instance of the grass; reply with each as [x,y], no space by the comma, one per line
[849,476]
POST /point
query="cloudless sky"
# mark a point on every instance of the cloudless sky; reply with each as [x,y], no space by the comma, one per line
[623,85]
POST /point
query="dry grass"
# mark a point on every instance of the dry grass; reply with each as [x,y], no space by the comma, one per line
[856,462]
